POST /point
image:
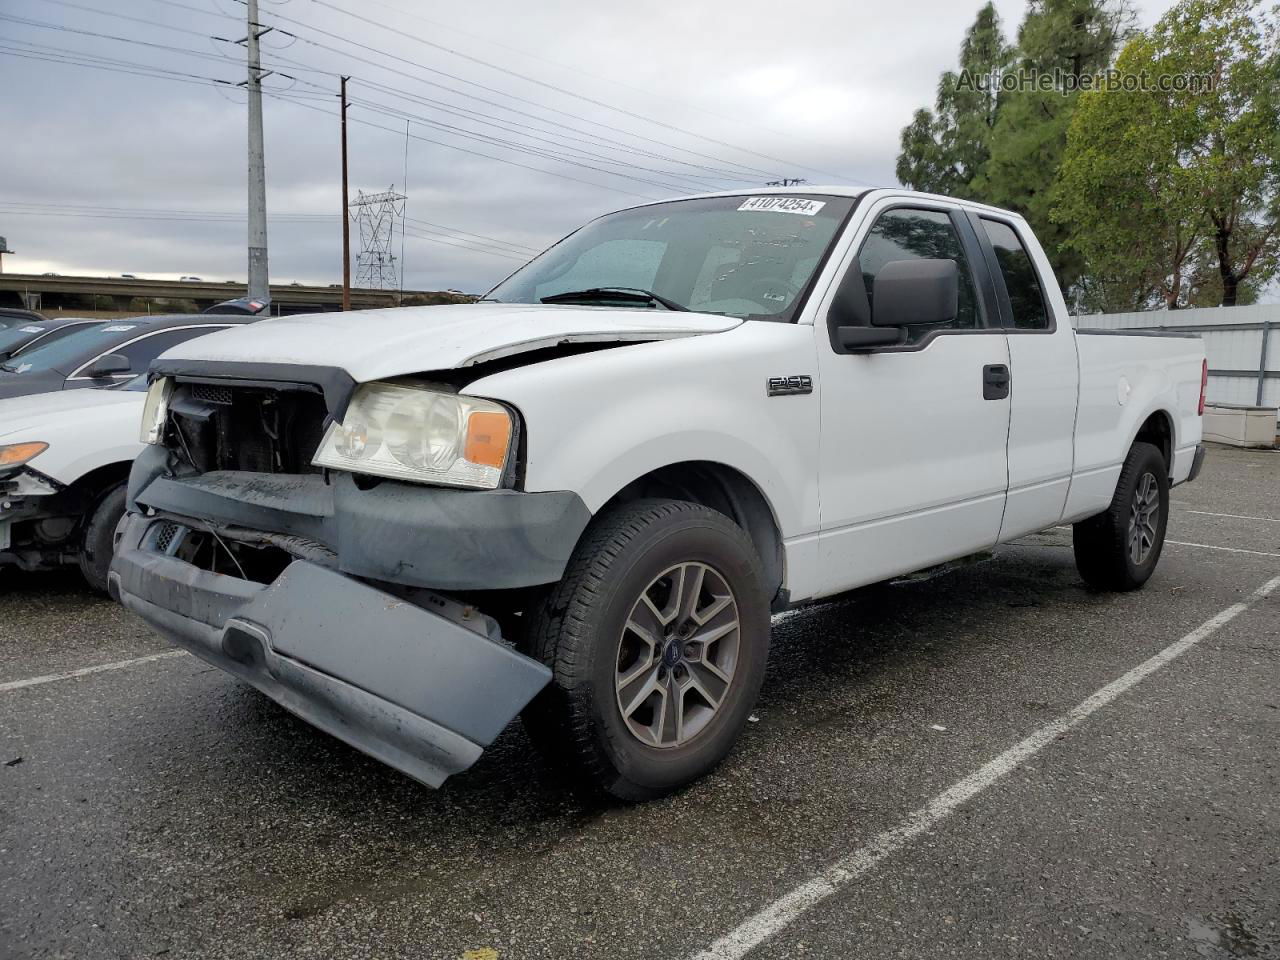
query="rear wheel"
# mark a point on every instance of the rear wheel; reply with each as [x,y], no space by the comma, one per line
[1119,548]
[657,637]
[98,545]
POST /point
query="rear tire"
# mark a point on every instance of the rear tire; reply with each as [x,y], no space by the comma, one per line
[98,545]
[657,638]
[1119,548]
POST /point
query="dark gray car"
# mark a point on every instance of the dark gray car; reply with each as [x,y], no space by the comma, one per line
[103,354]
[19,333]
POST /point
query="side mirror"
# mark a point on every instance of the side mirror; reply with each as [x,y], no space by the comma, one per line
[908,292]
[107,365]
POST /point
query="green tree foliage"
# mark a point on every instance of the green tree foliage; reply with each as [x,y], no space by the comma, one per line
[944,151]
[1172,196]
[1067,40]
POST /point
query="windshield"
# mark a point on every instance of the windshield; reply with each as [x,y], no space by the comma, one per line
[14,333]
[739,256]
[70,351]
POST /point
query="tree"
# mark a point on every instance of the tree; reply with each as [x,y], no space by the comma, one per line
[945,150]
[1066,40]
[1160,188]
[1129,206]
[1231,134]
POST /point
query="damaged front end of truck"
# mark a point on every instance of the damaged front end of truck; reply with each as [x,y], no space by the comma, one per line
[347,597]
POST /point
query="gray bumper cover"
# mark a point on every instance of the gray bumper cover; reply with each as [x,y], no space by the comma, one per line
[403,533]
[405,685]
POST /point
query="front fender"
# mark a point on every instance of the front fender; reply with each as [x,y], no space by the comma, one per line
[595,422]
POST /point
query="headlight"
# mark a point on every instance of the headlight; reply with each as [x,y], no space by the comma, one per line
[155,410]
[16,454]
[410,433]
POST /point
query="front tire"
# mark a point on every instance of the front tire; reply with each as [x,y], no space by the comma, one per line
[1119,548]
[657,637]
[98,545]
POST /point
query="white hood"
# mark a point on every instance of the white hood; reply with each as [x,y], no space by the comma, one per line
[85,429]
[372,344]
[68,408]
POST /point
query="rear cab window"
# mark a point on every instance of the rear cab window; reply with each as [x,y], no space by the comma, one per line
[1021,282]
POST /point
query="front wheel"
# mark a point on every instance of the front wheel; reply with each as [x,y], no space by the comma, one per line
[657,637]
[98,545]
[1119,548]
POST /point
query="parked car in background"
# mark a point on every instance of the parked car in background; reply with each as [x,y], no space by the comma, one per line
[103,354]
[18,336]
[582,496]
[190,280]
[64,459]
[19,313]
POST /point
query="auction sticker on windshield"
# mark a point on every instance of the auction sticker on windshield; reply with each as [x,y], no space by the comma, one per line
[784,205]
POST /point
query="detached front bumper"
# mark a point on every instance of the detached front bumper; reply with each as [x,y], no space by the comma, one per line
[420,691]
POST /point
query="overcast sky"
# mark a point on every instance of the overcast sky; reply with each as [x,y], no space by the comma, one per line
[679,94]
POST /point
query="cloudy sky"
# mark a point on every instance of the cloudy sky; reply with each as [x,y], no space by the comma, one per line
[524,120]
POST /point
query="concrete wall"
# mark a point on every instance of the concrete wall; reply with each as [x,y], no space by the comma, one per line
[1233,340]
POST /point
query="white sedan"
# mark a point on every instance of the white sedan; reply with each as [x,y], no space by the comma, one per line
[64,460]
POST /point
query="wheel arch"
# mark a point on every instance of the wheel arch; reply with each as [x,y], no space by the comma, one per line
[92,485]
[1158,430]
[726,490]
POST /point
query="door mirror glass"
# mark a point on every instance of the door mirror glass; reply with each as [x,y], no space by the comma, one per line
[107,365]
[911,292]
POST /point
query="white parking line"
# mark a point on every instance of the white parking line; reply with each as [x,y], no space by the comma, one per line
[86,671]
[784,911]
[1208,546]
[1233,516]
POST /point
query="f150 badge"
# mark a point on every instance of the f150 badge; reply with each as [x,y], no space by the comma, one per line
[790,386]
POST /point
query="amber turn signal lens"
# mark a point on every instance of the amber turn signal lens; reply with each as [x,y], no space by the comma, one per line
[16,454]
[488,435]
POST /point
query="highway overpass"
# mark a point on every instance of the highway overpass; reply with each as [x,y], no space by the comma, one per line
[116,294]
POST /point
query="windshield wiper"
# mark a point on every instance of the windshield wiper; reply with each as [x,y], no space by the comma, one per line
[626,294]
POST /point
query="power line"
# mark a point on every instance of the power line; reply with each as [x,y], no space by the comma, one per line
[488,156]
[558,89]
[380,108]
[419,66]
[570,67]
[155,74]
[723,175]
[483,243]
[480,236]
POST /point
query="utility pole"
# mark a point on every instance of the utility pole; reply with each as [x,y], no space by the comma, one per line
[258,283]
[346,214]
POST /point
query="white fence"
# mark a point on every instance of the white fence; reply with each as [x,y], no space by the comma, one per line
[1242,344]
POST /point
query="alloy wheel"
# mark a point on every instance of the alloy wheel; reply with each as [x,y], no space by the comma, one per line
[677,655]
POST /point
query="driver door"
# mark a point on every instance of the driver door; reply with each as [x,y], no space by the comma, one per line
[914,467]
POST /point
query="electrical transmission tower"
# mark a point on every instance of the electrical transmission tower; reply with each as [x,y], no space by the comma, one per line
[375,215]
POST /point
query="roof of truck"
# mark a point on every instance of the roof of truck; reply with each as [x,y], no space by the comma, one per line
[839,190]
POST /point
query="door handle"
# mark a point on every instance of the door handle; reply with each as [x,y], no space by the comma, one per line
[995,381]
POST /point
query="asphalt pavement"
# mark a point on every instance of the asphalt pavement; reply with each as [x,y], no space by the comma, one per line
[993,762]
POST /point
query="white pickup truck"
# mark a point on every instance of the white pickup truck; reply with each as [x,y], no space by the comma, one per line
[583,496]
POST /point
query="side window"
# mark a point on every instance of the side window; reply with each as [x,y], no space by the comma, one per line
[1020,279]
[906,234]
[142,352]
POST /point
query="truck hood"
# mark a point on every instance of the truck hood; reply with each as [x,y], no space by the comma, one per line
[68,409]
[372,344]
